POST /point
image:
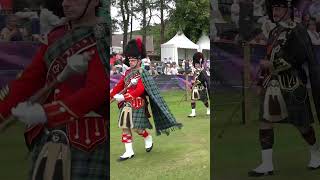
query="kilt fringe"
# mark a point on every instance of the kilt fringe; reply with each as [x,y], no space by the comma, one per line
[170,129]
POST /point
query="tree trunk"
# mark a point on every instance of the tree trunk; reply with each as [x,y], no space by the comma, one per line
[162,25]
[131,3]
[125,17]
[144,22]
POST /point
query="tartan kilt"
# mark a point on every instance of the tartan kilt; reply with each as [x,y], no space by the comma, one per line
[203,95]
[84,165]
[139,118]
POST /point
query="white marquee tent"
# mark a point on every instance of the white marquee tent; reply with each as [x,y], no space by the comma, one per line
[179,47]
[204,46]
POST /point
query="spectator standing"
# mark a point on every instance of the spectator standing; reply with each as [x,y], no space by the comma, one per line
[235,12]
[174,69]
[146,61]
[312,31]
[11,32]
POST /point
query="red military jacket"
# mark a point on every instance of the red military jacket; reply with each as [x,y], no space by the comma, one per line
[135,93]
[73,104]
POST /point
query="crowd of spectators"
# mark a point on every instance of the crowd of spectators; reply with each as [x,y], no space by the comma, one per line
[308,15]
[28,24]
[119,66]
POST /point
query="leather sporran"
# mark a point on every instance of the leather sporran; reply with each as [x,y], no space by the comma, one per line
[54,160]
[195,94]
[274,105]
[125,120]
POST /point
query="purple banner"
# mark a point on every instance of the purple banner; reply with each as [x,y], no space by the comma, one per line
[165,82]
[14,56]
[227,64]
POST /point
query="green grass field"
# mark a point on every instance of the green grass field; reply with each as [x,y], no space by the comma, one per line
[184,154]
[13,154]
[237,150]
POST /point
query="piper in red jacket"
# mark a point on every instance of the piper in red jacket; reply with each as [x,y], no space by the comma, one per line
[76,105]
[133,102]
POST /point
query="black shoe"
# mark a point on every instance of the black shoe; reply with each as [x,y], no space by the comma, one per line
[257,174]
[150,148]
[123,159]
[191,116]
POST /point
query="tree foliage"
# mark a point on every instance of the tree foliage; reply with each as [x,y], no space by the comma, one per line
[191,17]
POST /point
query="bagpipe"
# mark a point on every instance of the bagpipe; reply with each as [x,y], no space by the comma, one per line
[133,82]
[74,66]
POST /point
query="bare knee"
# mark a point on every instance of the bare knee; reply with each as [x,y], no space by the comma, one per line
[138,131]
[126,131]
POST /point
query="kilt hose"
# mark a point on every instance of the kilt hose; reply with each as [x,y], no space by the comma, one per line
[92,165]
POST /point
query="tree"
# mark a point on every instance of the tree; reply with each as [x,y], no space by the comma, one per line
[143,6]
[144,21]
[191,17]
[162,25]
[124,12]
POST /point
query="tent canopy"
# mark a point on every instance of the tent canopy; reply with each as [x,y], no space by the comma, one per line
[179,47]
[181,41]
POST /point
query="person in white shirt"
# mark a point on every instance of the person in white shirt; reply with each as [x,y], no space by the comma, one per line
[11,32]
[113,70]
[146,61]
[235,12]
[170,60]
[153,71]
[33,17]
[165,60]
[183,64]
[167,69]
[312,31]
[174,69]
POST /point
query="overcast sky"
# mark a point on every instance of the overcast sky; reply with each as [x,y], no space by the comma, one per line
[136,22]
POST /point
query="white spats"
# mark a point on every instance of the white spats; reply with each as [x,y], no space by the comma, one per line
[208,111]
[148,142]
[129,151]
[193,113]
[314,162]
[267,164]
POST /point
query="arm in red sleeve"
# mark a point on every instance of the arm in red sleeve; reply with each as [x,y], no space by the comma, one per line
[32,79]
[89,98]
[117,88]
[137,92]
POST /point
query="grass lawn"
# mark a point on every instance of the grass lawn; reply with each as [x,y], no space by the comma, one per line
[14,162]
[184,154]
[237,150]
